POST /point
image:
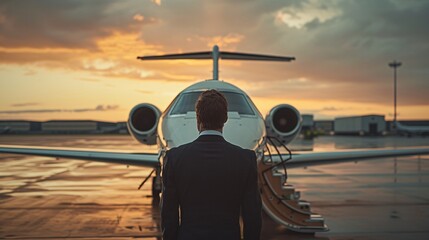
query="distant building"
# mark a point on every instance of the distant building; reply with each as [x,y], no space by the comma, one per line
[108,127]
[69,127]
[324,126]
[19,126]
[123,129]
[307,122]
[61,127]
[360,125]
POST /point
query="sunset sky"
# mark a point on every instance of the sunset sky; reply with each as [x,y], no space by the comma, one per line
[77,59]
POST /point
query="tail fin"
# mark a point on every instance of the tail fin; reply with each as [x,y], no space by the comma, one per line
[216,54]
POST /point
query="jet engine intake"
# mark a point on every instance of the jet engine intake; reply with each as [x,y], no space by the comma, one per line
[283,122]
[143,122]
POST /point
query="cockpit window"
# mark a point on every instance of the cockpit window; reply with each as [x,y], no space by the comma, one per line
[237,102]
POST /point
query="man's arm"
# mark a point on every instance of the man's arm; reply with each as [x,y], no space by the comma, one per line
[252,206]
[169,202]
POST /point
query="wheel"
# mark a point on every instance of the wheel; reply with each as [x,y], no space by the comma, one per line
[156,187]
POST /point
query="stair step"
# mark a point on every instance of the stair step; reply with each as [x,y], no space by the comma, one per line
[315,218]
[304,205]
[282,179]
[288,187]
[291,195]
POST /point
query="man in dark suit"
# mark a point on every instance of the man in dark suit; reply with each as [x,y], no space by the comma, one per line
[209,183]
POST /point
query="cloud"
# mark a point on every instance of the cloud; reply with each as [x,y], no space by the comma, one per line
[70,23]
[144,91]
[89,79]
[98,108]
[138,17]
[309,12]
[27,104]
[222,41]
[342,47]
[331,109]
[157,2]
[104,108]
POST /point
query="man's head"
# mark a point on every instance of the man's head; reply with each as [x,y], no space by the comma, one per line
[212,111]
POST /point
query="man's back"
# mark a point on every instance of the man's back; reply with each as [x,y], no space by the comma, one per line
[212,181]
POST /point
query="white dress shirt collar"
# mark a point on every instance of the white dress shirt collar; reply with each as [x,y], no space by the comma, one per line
[210,132]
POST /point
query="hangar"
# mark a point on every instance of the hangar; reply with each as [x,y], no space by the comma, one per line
[360,125]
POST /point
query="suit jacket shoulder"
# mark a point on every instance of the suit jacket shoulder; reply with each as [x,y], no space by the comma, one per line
[248,155]
[175,152]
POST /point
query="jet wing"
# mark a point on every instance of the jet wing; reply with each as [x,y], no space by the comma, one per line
[151,159]
[121,157]
[319,158]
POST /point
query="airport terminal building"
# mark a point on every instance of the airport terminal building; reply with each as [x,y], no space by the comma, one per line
[61,127]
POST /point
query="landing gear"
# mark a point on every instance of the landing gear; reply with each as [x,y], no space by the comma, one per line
[156,186]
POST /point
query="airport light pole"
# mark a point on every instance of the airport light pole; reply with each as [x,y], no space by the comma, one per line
[394,65]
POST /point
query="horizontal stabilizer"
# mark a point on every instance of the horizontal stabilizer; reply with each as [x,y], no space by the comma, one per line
[194,55]
[255,57]
[222,55]
[215,55]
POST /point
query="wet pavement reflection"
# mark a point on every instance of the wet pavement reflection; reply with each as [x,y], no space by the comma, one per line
[46,198]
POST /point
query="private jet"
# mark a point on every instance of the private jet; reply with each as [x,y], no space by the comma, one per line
[246,127]
[411,130]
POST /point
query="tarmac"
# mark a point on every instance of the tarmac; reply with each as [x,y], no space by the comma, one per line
[47,198]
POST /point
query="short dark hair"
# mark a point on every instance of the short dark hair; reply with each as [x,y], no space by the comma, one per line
[212,109]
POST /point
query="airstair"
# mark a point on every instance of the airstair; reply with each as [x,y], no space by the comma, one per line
[282,202]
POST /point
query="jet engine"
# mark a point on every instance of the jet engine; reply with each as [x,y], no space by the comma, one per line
[283,124]
[143,122]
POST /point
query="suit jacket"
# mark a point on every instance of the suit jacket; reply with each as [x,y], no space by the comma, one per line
[207,185]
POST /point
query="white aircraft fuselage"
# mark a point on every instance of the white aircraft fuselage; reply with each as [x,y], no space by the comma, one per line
[178,124]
